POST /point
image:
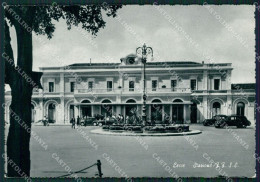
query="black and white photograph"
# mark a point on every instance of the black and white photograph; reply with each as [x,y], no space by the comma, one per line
[129,91]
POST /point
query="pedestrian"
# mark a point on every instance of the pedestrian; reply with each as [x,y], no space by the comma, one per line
[45,120]
[114,116]
[123,119]
[127,119]
[72,122]
[78,121]
[120,118]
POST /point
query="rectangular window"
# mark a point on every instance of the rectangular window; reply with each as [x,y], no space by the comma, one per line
[131,86]
[90,86]
[51,86]
[216,84]
[193,85]
[154,85]
[109,86]
[173,85]
[72,86]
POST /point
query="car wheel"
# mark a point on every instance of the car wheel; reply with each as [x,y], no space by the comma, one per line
[82,124]
[100,124]
[95,124]
[240,126]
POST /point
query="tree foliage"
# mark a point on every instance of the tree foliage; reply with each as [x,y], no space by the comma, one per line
[90,17]
[39,19]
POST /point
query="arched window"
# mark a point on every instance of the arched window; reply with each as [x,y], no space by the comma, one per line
[241,109]
[156,101]
[130,101]
[177,100]
[216,108]
[106,101]
[85,101]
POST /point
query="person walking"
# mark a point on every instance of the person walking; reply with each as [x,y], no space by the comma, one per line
[120,119]
[72,122]
[127,119]
[123,119]
[45,120]
[78,121]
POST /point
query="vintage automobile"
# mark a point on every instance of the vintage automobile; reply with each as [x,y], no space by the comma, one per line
[108,121]
[233,120]
[209,122]
[44,121]
[87,121]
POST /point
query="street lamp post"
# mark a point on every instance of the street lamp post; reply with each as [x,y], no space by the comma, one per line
[144,52]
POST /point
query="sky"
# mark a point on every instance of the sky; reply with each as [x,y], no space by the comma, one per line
[136,25]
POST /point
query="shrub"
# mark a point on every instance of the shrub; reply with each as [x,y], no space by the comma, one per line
[116,127]
[155,128]
[105,127]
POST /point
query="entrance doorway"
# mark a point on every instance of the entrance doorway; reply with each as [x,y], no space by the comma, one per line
[86,111]
[216,108]
[241,109]
[106,108]
[177,112]
[156,111]
[131,112]
[71,112]
[52,113]
[193,113]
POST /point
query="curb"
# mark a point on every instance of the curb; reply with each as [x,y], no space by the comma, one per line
[101,132]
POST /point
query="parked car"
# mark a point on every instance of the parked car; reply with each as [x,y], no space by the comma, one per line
[209,122]
[42,121]
[233,120]
[87,121]
[109,121]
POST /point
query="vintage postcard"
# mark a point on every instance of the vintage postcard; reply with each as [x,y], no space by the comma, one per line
[129,91]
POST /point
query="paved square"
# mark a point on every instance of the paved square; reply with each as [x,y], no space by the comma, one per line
[145,156]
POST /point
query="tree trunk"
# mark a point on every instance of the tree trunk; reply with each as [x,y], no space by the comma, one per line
[18,140]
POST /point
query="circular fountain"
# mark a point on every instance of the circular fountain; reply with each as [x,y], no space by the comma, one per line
[140,130]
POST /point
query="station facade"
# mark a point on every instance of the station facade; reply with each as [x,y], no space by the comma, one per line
[182,92]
